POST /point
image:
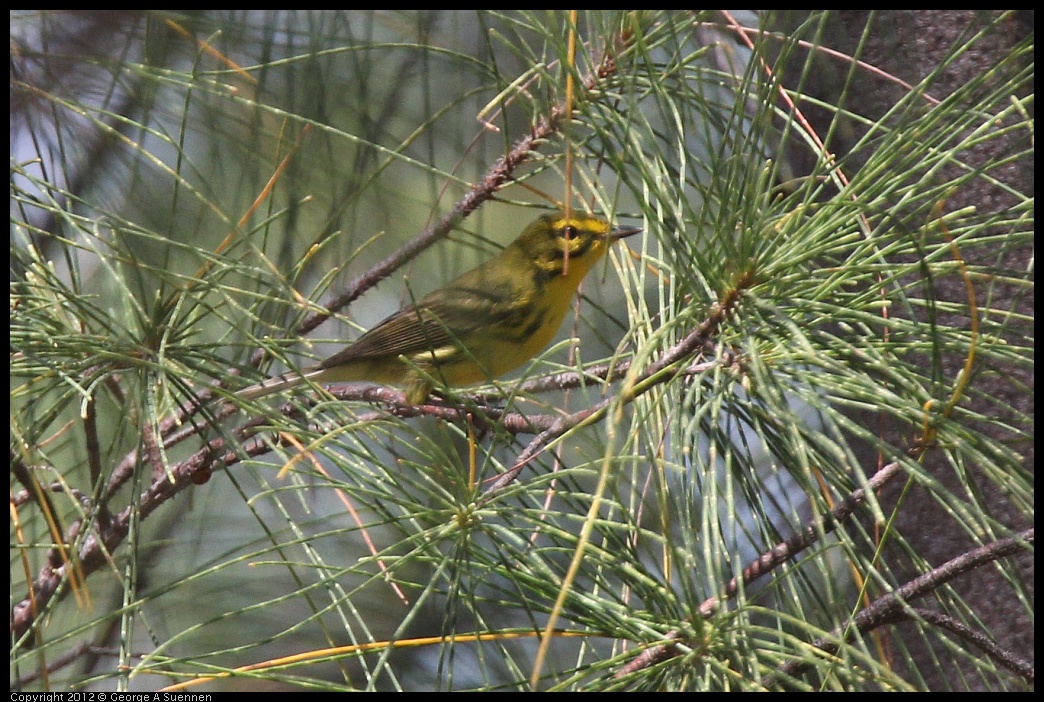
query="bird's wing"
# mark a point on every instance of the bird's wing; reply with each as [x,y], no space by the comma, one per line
[447,317]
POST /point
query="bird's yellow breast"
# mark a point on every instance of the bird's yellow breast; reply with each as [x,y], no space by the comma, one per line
[487,322]
[539,307]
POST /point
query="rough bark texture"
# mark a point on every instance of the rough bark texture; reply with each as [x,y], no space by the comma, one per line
[910,45]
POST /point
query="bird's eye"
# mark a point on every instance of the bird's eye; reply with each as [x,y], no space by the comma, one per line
[569,232]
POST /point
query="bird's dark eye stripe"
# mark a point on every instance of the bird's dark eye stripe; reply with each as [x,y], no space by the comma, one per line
[584,246]
[581,248]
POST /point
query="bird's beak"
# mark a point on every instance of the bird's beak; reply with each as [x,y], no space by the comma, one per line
[621,232]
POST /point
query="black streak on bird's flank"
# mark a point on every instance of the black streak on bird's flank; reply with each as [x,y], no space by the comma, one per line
[533,326]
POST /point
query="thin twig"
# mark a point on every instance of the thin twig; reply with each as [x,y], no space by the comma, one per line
[695,340]
[893,607]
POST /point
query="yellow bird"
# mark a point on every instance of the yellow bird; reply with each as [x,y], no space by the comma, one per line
[485,323]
